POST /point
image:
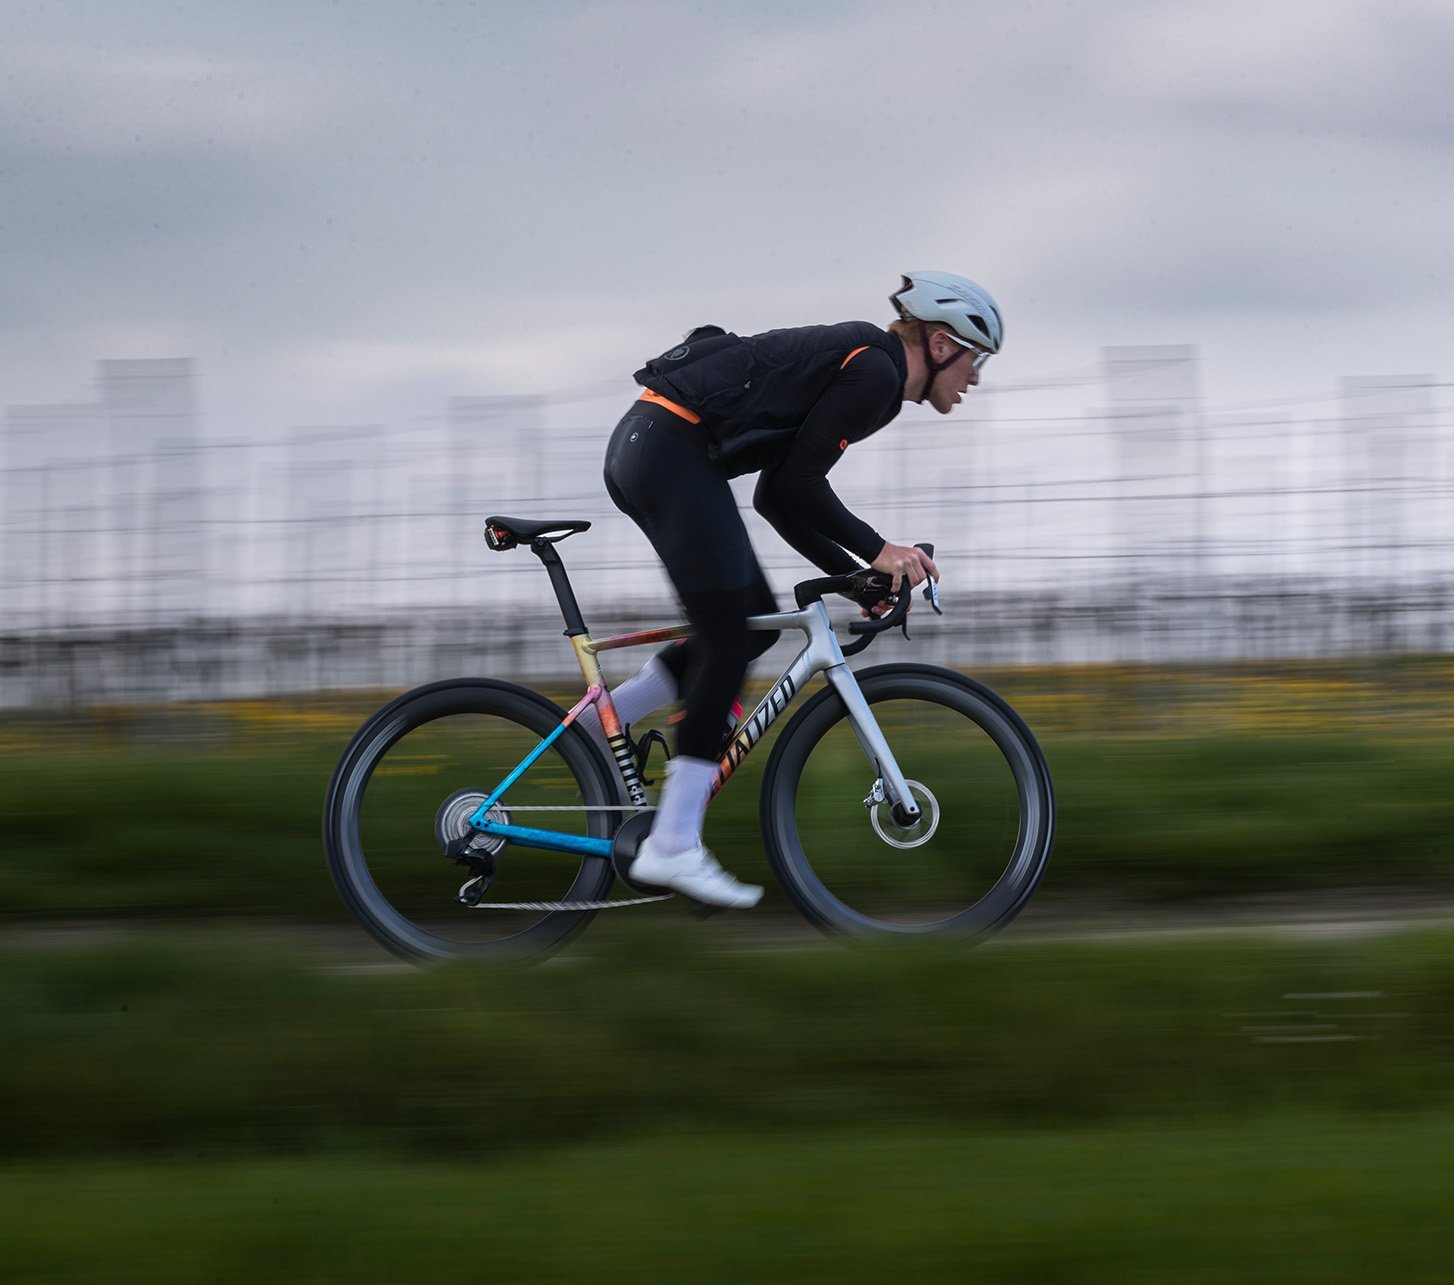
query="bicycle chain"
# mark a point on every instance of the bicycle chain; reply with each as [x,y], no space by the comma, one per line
[568,905]
[577,807]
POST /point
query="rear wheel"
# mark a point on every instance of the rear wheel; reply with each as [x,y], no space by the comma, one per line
[974,856]
[405,788]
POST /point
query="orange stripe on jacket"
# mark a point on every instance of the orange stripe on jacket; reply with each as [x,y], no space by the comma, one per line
[657,399]
[853,354]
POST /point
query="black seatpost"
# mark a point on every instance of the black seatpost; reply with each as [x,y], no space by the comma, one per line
[560,582]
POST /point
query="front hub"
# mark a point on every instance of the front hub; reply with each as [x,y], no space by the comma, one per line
[899,830]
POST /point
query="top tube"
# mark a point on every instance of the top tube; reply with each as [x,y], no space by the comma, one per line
[805,619]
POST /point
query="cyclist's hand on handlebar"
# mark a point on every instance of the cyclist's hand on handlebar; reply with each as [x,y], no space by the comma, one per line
[904,562]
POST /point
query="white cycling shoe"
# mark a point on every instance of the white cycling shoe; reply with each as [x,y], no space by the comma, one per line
[693,873]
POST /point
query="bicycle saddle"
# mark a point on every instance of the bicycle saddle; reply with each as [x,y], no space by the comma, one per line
[503,532]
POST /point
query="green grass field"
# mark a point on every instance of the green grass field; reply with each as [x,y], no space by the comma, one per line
[1310,1198]
[668,1105]
[168,1043]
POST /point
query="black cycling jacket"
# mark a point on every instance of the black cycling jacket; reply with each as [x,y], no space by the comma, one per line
[788,403]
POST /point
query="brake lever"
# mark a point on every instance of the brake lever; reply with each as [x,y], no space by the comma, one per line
[902,601]
[931,588]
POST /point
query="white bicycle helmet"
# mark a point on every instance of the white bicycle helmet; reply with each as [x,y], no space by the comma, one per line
[967,309]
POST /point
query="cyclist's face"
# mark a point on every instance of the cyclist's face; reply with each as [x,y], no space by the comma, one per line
[950,384]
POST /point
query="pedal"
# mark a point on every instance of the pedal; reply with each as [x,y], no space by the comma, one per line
[701,910]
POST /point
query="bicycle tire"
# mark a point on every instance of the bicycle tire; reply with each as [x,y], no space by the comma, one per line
[415,754]
[985,864]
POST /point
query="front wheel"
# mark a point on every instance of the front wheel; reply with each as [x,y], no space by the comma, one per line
[406,786]
[987,809]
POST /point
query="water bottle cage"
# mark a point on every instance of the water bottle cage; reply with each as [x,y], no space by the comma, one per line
[641,751]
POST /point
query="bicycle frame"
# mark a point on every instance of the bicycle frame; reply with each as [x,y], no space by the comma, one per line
[821,653]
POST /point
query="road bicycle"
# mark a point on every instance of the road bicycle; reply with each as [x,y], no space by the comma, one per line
[901,798]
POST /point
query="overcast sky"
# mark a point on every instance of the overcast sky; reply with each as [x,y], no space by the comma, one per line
[348,212]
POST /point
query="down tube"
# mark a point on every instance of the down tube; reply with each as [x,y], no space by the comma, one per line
[754,727]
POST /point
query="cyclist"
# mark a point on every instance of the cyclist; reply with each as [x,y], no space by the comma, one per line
[785,404]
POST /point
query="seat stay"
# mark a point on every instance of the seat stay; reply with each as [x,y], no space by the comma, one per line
[529,836]
[481,813]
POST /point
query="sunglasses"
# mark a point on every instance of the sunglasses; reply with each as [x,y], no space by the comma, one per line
[977,355]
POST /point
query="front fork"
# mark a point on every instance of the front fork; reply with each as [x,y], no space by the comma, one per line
[890,785]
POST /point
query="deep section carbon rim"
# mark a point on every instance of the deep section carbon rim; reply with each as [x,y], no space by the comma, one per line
[396,799]
[988,808]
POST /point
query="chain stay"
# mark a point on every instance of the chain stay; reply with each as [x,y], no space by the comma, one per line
[553,906]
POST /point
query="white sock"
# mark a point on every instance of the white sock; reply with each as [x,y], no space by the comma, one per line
[683,804]
[650,688]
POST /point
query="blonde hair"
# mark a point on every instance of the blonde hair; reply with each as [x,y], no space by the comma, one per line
[907,328]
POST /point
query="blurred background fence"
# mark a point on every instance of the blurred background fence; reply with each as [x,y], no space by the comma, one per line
[143,558]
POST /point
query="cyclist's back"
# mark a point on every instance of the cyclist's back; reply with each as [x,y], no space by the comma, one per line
[757,391]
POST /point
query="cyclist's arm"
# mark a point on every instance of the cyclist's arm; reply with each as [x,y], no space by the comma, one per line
[818,549]
[794,495]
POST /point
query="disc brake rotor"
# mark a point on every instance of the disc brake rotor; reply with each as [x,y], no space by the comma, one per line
[897,836]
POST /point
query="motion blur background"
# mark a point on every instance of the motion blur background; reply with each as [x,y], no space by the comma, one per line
[143,560]
[293,295]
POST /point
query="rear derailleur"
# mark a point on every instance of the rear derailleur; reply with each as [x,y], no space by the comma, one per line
[480,864]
